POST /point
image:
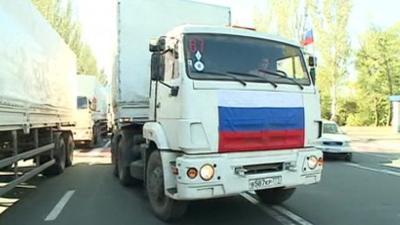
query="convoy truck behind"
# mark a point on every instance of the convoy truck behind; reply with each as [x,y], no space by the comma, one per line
[37,72]
[91,111]
[208,111]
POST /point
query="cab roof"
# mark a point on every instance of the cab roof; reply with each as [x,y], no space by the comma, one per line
[188,29]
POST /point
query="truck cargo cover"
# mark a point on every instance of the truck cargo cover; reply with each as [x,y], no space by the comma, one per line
[139,22]
[37,69]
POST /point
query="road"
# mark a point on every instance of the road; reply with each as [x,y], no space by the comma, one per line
[361,192]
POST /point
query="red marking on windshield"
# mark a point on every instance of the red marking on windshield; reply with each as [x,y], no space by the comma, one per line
[196,44]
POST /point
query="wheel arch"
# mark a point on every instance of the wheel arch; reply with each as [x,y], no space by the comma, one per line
[154,132]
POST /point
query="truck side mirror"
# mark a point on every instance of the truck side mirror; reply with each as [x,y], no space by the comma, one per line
[92,105]
[153,47]
[157,66]
[312,61]
[158,45]
[313,75]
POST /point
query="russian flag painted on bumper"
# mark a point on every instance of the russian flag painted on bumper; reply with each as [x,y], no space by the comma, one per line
[254,121]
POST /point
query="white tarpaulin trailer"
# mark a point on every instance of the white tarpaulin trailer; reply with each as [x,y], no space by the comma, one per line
[139,22]
[37,95]
[37,69]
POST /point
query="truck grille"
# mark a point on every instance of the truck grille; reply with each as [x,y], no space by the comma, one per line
[263,168]
[332,143]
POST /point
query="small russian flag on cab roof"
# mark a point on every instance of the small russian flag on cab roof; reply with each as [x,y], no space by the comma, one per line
[308,37]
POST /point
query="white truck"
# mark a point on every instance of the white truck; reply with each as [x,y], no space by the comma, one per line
[91,111]
[37,72]
[208,111]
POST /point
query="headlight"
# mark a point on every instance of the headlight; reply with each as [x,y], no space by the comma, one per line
[207,172]
[346,143]
[312,162]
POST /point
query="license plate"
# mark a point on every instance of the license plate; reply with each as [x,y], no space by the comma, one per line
[263,183]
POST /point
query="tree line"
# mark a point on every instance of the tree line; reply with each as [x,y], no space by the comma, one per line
[360,102]
[59,13]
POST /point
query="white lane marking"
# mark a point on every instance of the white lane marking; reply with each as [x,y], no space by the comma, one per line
[374,170]
[59,207]
[291,215]
[281,219]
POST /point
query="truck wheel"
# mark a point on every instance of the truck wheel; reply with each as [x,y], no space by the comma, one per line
[126,155]
[123,173]
[99,135]
[70,150]
[165,208]
[59,156]
[93,143]
[114,151]
[275,195]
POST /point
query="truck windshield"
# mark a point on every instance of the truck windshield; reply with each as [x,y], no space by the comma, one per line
[331,128]
[82,102]
[210,54]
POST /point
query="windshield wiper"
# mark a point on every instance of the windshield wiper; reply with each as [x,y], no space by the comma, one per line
[282,76]
[235,78]
[254,75]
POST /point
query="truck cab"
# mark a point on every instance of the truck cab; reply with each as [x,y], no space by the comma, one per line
[90,112]
[230,111]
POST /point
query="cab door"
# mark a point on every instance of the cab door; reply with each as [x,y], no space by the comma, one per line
[167,93]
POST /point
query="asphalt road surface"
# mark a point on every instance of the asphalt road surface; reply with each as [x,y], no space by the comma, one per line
[365,191]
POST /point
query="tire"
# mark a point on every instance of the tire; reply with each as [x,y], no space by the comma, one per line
[59,156]
[70,146]
[348,157]
[93,143]
[126,155]
[164,208]
[99,134]
[114,142]
[275,195]
[97,138]
[123,172]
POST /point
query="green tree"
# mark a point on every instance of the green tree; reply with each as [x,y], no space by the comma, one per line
[59,13]
[330,20]
[378,65]
[284,17]
[332,42]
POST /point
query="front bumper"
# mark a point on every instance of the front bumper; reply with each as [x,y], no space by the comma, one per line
[231,179]
[82,134]
[334,149]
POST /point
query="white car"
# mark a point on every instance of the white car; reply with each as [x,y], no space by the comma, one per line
[334,141]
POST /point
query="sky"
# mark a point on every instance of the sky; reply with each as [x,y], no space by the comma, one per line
[98,20]
[99,31]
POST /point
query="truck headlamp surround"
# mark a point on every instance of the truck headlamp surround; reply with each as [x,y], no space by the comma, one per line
[192,173]
[312,162]
[207,172]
